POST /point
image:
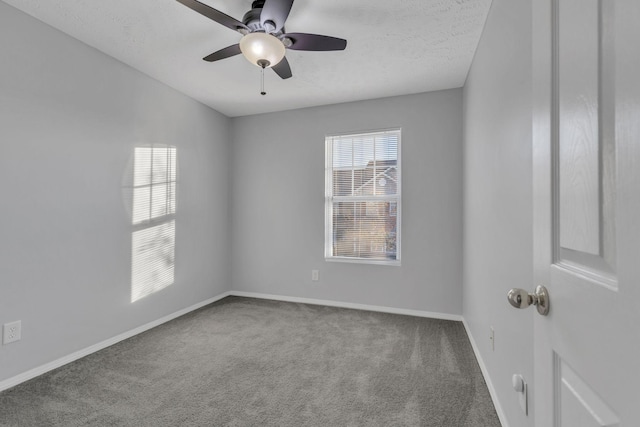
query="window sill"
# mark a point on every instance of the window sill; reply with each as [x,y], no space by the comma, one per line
[393,263]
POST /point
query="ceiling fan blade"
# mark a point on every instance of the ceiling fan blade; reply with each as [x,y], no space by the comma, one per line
[223,53]
[283,69]
[214,14]
[303,41]
[277,12]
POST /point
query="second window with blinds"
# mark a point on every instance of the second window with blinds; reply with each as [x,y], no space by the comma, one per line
[363,197]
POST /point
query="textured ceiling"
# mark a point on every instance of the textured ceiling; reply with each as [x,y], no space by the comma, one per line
[395,47]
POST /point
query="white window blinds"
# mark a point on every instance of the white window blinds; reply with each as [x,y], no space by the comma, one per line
[362,197]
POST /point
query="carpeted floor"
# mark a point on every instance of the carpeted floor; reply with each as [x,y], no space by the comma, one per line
[247,362]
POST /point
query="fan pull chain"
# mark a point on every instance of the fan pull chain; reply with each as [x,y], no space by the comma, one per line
[262,63]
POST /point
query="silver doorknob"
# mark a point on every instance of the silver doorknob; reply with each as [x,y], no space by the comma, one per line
[519,298]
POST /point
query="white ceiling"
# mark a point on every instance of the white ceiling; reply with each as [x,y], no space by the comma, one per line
[395,47]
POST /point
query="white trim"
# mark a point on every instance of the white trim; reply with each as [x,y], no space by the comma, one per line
[32,373]
[487,379]
[382,309]
[370,261]
[331,199]
[353,134]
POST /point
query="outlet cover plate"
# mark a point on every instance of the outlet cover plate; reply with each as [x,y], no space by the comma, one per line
[11,332]
[492,338]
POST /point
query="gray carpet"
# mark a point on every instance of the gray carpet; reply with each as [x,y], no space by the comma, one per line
[248,362]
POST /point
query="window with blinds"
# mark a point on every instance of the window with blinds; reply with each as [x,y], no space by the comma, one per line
[362,197]
[153,217]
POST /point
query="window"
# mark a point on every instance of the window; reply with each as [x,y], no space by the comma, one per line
[154,207]
[362,197]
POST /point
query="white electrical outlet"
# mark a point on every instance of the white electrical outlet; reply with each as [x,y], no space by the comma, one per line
[492,338]
[12,332]
[315,275]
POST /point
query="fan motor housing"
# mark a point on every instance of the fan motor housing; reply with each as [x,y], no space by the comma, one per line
[252,18]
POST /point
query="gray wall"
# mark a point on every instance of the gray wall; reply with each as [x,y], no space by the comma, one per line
[498,198]
[69,120]
[277,204]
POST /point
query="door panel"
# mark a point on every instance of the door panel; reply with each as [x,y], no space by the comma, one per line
[581,405]
[586,128]
[584,154]
[576,42]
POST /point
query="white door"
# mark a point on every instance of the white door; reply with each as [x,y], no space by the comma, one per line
[586,119]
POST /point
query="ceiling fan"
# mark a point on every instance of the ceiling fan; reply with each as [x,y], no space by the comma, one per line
[264,38]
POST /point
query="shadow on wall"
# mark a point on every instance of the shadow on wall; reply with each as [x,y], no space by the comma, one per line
[149,192]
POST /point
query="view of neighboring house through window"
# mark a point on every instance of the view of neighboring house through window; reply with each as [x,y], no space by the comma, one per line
[362,197]
[154,208]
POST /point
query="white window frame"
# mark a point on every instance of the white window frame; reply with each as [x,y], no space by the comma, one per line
[330,199]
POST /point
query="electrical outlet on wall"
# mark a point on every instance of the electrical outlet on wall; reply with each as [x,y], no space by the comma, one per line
[315,275]
[492,338]
[11,332]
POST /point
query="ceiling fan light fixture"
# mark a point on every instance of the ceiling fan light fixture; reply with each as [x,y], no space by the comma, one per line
[261,47]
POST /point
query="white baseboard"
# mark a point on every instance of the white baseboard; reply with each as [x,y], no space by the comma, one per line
[32,373]
[485,373]
[382,309]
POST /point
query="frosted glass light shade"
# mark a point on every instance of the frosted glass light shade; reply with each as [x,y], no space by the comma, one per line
[258,47]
